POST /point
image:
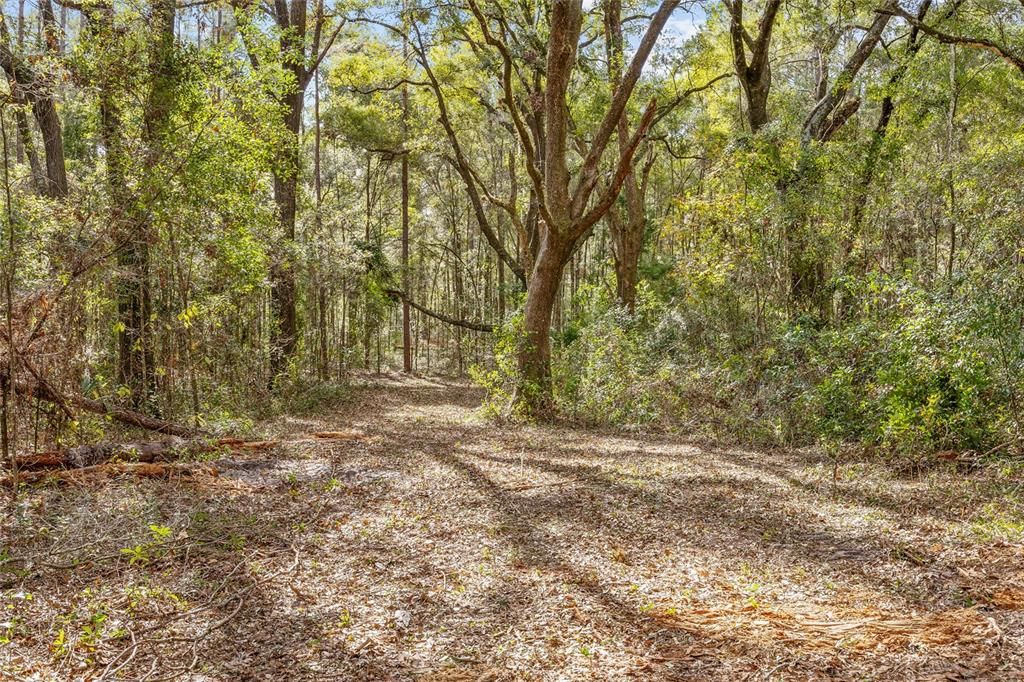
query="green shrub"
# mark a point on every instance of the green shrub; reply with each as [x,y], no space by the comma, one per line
[914,369]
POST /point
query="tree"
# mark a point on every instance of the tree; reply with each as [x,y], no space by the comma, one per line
[568,204]
[755,73]
[302,47]
[626,227]
[38,92]
[833,107]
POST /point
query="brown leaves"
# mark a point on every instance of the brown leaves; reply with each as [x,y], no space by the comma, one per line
[350,434]
[1010,598]
[102,472]
[809,630]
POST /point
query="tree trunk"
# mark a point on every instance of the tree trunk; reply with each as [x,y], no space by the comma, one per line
[132,255]
[136,366]
[807,274]
[46,113]
[406,279]
[284,325]
[627,243]
[534,390]
[19,144]
[755,74]
[627,232]
[807,265]
[38,93]
[53,144]
[27,146]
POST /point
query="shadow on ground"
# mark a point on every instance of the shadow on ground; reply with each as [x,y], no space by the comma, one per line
[444,547]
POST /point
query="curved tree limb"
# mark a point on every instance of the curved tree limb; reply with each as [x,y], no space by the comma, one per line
[465,324]
[999,50]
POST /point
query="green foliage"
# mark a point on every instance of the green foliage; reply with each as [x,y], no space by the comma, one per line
[144,553]
[917,370]
[607,371]
[502,380]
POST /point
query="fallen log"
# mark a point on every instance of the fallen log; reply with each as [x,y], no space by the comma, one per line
[236,444]
[156,451]
[166,450]
[112,469]
[350,434]
[140,451]
[82,456]
[42,460]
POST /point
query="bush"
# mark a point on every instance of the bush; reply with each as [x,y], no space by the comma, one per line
[607,371]
[915,369]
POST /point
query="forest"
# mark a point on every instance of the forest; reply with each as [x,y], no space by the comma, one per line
[484,340]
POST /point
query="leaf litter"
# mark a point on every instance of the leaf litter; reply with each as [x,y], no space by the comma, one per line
[405,538]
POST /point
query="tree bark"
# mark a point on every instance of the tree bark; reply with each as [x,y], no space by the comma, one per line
[534,389]
[755,74]
[878,135]
[27,145]
[284,325]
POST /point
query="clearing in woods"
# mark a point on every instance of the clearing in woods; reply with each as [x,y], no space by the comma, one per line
[425,543]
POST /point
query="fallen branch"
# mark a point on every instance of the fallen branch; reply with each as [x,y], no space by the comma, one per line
[166,450]
[340,435]
[42,460]
[99,453]
[145,452]
[240,444]
[44,391]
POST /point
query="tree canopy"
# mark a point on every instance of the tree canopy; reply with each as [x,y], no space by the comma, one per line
[806,213]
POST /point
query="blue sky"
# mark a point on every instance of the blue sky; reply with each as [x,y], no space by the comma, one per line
[685,23]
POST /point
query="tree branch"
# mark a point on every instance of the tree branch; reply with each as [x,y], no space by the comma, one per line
[587,179]
[625,167]
[462,164]
[510,104]
[475,326]
[666,109]
[1001,51]
[816,123]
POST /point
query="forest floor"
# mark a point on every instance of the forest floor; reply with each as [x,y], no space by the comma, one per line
[429,544]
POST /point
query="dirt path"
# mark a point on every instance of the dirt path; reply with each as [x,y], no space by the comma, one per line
[442,547]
